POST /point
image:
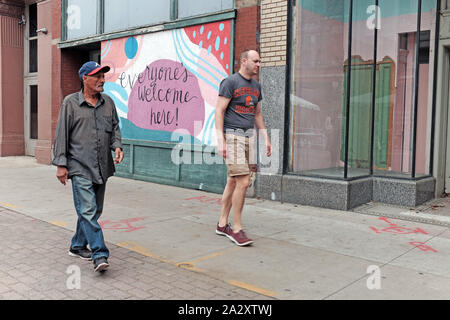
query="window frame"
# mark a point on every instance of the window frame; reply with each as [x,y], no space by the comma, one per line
[287,170]
[174,23]
[27,46]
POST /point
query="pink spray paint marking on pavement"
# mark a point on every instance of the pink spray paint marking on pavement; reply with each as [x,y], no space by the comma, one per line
[422,246]
[396,229]
[124,225]
[206,199]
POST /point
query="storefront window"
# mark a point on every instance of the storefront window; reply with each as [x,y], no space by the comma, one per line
[81,18]
[120,15]
[357,98]
[317,86]
[425,87]
[189,8]
[86,18]
[376,113]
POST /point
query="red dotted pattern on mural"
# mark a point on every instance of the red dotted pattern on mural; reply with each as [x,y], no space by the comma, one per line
[207,35]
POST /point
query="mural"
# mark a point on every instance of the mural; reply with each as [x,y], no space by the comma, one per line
[168,81]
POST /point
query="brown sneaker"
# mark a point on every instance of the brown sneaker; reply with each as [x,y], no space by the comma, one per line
[223,231]
[240,238]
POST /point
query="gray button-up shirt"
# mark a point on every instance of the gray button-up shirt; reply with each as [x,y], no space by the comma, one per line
[85,137]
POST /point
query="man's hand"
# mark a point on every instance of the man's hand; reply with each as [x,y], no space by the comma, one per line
[268,148]
[62,174]
[222,148]
[222,105]
[119,156]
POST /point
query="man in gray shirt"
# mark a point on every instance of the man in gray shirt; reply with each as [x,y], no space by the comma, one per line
[238,112]
[87,131]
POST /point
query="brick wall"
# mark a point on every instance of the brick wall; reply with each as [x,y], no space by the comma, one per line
[273,32]
[12,8]
[246,29]
[12,141]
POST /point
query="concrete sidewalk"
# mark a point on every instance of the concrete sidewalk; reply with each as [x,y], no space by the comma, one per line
[299,252]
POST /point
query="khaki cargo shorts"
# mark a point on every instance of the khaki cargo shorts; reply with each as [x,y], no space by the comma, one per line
[240,159]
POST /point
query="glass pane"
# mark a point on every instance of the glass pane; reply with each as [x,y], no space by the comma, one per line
[188,8]
[33,61]
[397,46]
[425,89]
[120,15]
[33,112]
[360,91]
[81,18]
[319,47]
[33,20]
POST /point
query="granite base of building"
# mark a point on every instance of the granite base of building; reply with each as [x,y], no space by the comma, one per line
[343,195]
[403,192]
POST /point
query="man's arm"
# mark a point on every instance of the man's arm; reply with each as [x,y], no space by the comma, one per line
[222,105]
[116,138]
[61,144]
[259,122]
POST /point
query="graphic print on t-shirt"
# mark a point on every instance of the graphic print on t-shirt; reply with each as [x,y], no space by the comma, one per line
[250,94]
[245,95]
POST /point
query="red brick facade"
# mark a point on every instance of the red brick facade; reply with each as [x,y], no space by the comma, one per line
[246,31]
[11,79]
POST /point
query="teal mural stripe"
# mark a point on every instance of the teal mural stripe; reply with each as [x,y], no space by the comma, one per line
[107,47]
[190,69]
[207,126]
[131,131]
[195,56]
[212,127]
[112,88]
[206,62]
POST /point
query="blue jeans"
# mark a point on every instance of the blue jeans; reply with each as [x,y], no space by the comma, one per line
[88,199]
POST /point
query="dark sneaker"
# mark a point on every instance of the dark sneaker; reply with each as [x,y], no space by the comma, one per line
[223,231]
[240,238]
[100,264]
[83,253]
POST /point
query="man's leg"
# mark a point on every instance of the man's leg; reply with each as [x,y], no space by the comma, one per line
[227,201]
[238,200]
[79,240]
[85,197]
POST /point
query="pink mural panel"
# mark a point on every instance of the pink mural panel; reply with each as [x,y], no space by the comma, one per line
[165,97]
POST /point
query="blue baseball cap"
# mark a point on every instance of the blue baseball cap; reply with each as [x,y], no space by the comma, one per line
[90,68]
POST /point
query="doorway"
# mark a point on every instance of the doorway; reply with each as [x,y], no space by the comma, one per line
[31,116]
[31,80]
